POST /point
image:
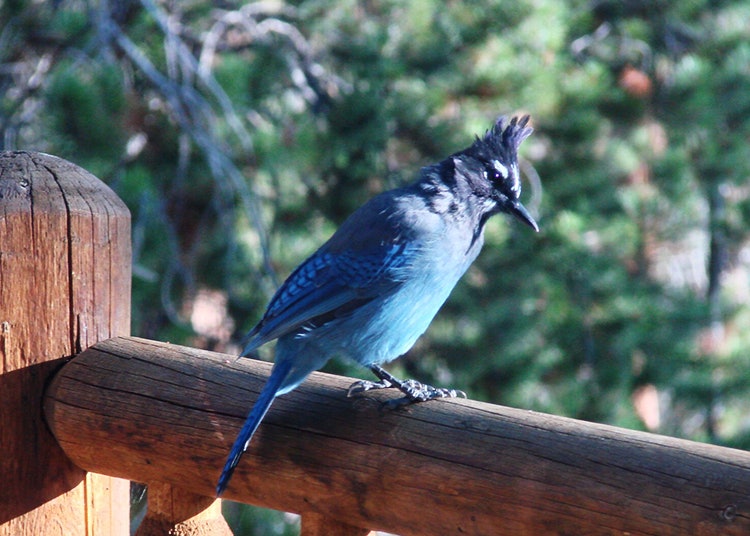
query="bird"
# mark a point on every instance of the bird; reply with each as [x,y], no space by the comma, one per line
[371,290]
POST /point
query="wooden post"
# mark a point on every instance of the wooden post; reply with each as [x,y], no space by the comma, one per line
[173,510]
[152,411]
[64,285]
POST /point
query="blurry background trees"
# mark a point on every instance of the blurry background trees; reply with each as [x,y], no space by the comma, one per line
[241,135]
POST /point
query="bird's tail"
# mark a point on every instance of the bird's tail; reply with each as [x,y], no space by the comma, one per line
[274,383]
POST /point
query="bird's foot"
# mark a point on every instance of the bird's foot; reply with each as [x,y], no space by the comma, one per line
[421,392]
[413,390]
[365,385]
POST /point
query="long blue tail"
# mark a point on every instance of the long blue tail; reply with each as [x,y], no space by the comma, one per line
[278,375]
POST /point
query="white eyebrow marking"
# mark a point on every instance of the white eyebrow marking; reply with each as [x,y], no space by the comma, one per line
[516,182]
[501,168]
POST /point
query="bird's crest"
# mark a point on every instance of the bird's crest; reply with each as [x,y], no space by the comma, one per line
[503,139]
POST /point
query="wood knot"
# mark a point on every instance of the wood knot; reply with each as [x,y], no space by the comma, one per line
[729,512]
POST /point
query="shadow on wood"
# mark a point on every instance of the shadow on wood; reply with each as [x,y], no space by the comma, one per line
[154,412]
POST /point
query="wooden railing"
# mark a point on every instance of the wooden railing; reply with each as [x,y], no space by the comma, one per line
[166,415]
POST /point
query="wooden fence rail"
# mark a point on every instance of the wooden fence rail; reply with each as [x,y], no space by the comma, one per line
[166,415]
[150,411]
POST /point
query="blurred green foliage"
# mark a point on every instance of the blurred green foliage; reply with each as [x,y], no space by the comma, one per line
[638,172]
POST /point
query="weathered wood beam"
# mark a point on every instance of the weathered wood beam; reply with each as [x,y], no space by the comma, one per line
[155,412]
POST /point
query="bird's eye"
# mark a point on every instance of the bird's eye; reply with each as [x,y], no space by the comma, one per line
[496,171]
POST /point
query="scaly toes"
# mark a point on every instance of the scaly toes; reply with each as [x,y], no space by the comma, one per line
[362,386]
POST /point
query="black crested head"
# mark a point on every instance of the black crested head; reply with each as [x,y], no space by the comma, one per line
[492,162]
[502,140]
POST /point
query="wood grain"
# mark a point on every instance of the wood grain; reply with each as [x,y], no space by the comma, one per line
[152,412]
[64,284]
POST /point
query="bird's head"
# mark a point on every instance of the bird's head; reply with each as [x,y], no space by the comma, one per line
[491,167]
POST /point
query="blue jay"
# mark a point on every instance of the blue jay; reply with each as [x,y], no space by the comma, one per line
[370,291]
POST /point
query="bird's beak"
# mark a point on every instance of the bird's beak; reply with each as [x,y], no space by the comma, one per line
[520,212]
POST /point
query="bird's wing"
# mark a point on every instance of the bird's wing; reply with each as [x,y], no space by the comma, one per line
[329,285]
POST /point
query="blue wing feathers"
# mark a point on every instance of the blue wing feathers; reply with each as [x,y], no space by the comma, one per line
[329,285]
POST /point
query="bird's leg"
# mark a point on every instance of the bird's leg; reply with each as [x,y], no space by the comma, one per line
[415,391]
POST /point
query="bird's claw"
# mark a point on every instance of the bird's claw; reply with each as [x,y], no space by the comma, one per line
[421,392]
[365,385]
[413,390]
